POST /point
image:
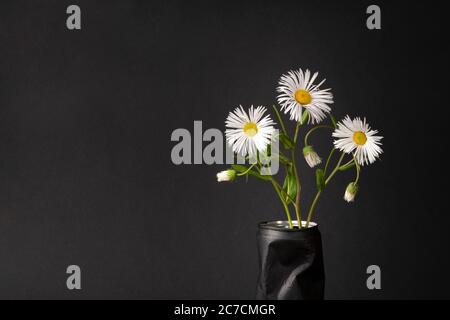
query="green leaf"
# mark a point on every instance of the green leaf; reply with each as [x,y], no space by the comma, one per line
[259,176]
[290,184]
[239,168]
[320,179]
[347,166]
[286,141]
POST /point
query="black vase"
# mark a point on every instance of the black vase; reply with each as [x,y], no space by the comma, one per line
[290,262]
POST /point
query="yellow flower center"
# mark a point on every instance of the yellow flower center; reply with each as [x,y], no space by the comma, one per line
[359,138]
[250,129]
[303,97]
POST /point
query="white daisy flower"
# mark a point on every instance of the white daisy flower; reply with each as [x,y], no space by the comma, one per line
[311,156]
[350,192]
[297,91]
[227,175]
[356,136]
[249,133]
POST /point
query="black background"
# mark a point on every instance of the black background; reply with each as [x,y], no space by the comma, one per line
[85,122]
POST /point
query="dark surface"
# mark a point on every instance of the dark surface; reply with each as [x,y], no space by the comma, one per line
[85,122]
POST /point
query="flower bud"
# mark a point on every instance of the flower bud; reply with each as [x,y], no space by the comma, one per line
[227,175]
[350,192]
[311,156]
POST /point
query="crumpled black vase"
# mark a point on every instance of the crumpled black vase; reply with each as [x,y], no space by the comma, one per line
[290,261]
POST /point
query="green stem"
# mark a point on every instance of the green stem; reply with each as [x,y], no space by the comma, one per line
[328,161]
[286,208]
[283,128]
[288,198]
[314,129]
[296,131]
[297,180]
[358,169]
[313,206]
[316,199]
[298,216]
[336,169]
[347,163]
[298,193]
[277,188]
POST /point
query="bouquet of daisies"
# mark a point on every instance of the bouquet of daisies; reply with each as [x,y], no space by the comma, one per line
[250,134]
